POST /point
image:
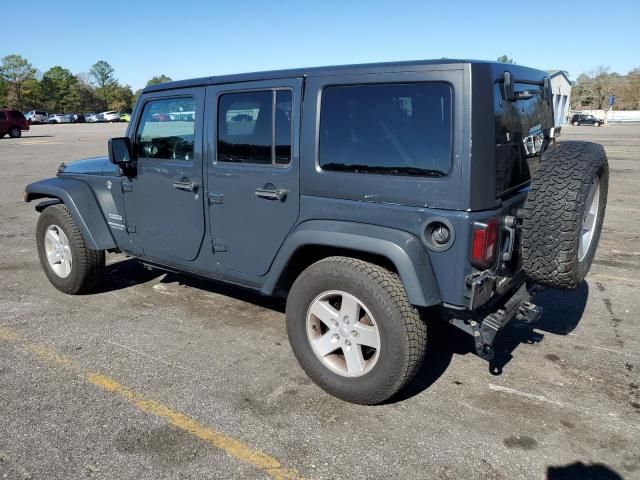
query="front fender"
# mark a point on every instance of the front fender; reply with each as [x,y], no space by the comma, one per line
[404,250]
[82,204]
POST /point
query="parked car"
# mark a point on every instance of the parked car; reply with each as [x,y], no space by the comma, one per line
[583,119]
[37,116]
[59,118]
[398,197]
[125,117]
[91,117]
[12,122]
[78,118]
[110,116]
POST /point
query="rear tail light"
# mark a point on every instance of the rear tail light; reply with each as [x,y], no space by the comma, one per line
[484,243]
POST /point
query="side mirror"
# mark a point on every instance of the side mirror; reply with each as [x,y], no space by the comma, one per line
[120,150]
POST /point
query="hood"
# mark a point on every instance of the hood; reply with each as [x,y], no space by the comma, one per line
[89,166]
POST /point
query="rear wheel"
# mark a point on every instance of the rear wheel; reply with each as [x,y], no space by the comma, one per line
[576,123]
[15,132]
[564,212]
[353,329]
[69,264]
[596,124]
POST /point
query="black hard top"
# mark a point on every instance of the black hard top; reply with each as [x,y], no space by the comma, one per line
[318,71]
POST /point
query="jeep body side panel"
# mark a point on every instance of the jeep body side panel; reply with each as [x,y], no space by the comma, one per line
[417,191]
[404,250]
[83,205]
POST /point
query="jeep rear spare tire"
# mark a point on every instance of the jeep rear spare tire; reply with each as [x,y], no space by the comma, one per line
[353,329]
[563,213]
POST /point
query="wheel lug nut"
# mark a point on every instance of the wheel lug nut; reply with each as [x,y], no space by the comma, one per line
[334,323]
[347,343]
[354,333]
[336,337]
[346,319]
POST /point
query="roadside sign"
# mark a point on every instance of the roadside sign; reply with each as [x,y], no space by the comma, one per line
[612,99]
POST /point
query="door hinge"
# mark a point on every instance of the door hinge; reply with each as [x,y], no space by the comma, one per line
[219,246]
[214,198]
[127,187]
[131,228]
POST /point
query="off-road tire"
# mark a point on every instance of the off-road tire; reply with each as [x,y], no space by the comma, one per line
[87,265]
[15,132]
[403,333]
[554,210]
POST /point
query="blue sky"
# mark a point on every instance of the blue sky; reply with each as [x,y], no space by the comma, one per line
[192,38]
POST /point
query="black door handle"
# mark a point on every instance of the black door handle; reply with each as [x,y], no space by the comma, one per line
[271,193]
[186,186]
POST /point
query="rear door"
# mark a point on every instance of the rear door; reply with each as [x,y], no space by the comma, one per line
[163,198]
[253,170]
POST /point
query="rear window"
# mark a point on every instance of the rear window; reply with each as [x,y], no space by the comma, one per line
[519,135]
[40,113]
[390,129]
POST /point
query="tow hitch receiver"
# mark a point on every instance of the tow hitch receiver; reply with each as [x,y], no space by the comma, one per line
[484,330]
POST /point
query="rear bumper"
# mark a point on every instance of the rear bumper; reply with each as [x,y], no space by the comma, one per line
[485,324]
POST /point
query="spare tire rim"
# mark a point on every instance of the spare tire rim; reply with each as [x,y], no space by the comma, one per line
[589,220]
[58,251]
[343,334]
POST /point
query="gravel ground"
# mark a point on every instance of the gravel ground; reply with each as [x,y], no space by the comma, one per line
[563,401]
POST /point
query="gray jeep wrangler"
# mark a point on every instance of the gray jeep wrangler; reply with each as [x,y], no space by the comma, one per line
[377,198]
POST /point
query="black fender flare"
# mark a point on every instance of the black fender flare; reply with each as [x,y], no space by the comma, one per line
[403,249]
[82,204]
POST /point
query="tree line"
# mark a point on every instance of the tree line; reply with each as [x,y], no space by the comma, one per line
[592,90]
[25,88]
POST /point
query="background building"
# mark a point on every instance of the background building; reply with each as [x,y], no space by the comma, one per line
[561,90]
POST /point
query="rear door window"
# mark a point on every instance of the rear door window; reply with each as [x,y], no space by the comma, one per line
[389,129]
[255,127]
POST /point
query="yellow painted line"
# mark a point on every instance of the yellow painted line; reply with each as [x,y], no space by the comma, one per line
[233,447]
[613,277]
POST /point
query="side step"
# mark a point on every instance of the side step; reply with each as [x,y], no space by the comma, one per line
[484,331]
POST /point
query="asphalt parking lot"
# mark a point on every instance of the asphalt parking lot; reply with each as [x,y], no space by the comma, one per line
[160,376]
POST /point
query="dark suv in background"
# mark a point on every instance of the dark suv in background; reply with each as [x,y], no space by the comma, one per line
[377,199]
[12,122]
[584,119]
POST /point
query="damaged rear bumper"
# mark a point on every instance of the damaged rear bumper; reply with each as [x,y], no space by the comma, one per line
[484,325]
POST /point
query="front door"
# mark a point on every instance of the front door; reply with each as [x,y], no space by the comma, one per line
[163,198]
[253,171]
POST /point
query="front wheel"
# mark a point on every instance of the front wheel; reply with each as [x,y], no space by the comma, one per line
[15,132]
[353,329]
[69,264]
[596,124]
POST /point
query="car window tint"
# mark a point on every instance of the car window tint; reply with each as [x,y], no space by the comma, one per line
[15,114]
[395,129]
[245,131]
[166,129]
[3,116]
[283,126]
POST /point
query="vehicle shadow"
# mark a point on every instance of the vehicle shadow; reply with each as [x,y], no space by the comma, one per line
[35,136]
[130,272]
[580,471]
[562,312]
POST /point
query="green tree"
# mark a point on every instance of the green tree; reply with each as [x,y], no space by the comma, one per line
[4,92]
[122,98]
[159,79]
[16,70]
[505,59]
[56,85]
[103,76]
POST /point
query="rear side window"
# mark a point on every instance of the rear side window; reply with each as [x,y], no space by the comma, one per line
[3,116]
[166,129]
[15,114]
[393,129]
[255,127]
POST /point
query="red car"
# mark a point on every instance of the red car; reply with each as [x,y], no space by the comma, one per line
[12,122]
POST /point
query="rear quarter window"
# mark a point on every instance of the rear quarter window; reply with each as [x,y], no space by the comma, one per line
[389,129]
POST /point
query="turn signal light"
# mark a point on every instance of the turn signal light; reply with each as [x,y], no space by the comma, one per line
[484,243]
